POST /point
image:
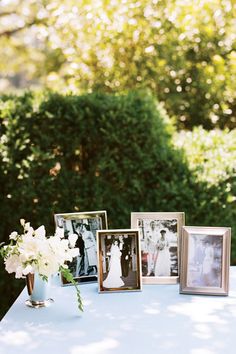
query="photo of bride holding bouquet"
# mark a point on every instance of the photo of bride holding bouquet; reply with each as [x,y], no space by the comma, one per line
[119,262]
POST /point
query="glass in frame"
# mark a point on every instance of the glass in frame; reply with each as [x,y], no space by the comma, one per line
[205,260]
[83,225]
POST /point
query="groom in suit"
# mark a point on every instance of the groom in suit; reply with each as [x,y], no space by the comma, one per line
[125,256]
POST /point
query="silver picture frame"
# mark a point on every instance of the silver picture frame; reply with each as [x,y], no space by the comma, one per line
[205,260]
[160,242]
[119,262]
[83,226]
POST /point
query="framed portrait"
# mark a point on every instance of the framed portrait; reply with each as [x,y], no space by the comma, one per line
[82,227]
[119,263]
[205,260]
[160,239]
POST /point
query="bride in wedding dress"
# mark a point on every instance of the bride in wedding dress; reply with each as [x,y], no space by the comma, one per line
[113,279]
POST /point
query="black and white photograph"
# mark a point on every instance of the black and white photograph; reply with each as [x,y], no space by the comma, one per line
[119,260]
[159,234]
[205,259]
[80,229]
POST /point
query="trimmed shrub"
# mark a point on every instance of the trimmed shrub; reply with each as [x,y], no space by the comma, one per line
[90,152]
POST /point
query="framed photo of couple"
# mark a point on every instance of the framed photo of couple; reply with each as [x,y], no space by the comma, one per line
[80,229]
[160,245]
[119,263]
[205,260]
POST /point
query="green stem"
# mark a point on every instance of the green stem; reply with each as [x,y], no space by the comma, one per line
[69,277]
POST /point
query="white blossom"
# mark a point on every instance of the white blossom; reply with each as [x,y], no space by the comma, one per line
[13,235]
[28,269]
[59,232]
[72,239]
[11,263]
[19,272]
[33,251]
[27,226]
[22,222]
[40,232]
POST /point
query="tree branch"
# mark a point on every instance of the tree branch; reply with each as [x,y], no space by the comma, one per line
[7,13]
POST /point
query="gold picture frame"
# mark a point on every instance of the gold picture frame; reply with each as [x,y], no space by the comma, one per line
[205,260]
[119,263]
[84,225]
[160,241]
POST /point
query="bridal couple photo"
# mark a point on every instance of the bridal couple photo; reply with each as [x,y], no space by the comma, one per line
[80,229]
[159,243]
[119,261]
[159,247]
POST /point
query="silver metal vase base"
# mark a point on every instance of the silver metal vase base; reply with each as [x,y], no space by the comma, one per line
[38,304]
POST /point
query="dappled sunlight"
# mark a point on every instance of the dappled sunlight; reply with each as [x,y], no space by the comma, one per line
[158,319]
[202,331]
[152,308]
[15,338]
[201,309]
[109,316]
[202,351]
[39,330]
[167,345]
[127,325]
[102,347]
[208,318]
[87,302]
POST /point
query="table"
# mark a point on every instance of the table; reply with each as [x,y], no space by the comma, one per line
[156,320]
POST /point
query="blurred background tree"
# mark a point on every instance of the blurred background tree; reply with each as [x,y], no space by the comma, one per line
[183,50]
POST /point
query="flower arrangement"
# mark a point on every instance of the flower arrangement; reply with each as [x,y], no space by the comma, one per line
[32,252]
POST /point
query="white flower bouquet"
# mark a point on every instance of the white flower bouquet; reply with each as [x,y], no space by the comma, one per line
[33,252]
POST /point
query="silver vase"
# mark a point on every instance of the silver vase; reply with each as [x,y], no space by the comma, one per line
[38,290]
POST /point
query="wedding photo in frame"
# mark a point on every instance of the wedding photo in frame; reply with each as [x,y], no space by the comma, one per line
[119,263]
[159,242]
[205,260]
[82,227]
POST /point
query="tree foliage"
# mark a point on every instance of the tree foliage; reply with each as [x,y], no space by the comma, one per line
[183,50]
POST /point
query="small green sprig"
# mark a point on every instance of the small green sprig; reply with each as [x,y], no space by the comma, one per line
[69,277]
[44,277]
[5,250]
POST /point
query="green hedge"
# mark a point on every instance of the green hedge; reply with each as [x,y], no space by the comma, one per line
[93,152]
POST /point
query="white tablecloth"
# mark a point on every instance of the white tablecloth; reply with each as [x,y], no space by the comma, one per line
[156,320]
